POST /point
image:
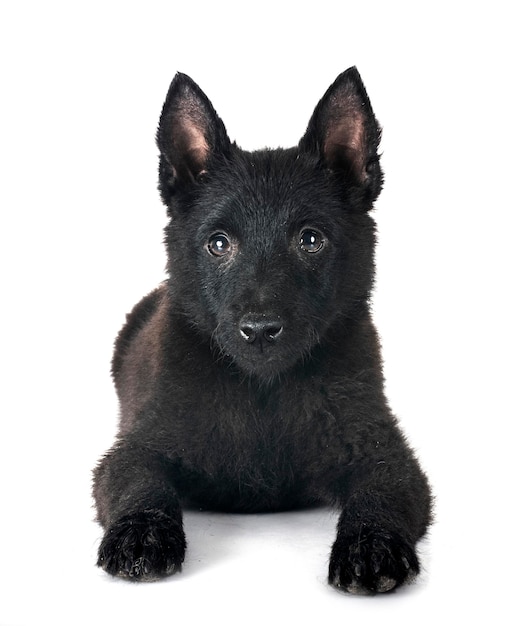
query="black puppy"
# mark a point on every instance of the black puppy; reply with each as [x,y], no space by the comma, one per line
[251,380]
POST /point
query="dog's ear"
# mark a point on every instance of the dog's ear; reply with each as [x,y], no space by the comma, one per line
[344,131]
[189,134]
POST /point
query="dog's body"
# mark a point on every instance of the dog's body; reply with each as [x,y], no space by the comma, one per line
[251,380]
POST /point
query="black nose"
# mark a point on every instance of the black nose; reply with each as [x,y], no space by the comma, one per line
[260,328]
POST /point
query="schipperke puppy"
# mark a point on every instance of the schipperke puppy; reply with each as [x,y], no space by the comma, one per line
[251,379]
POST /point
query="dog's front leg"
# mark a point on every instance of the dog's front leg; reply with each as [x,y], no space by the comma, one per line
[139,509]
[383,516]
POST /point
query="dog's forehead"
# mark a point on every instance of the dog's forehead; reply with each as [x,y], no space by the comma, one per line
[271,169]
[267,182]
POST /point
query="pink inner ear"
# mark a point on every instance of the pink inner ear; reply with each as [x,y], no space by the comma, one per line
[190,144]
[196,143]
[345,145]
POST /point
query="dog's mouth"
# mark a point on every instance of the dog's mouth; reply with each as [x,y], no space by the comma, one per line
[261,345]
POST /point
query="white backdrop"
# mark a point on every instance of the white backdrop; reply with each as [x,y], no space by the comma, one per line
[82,84]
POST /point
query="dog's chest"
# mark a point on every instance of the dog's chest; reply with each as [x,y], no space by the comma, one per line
[264,452]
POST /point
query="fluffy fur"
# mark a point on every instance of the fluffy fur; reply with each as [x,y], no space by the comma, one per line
[251,379]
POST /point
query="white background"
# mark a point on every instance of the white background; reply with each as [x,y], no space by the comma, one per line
[82,85]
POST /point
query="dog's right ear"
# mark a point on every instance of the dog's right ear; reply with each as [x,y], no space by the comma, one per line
[189,134]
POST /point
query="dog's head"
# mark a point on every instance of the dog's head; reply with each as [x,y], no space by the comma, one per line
[268,249]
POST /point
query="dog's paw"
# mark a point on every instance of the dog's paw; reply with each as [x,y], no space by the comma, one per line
[143,546]
[371,561]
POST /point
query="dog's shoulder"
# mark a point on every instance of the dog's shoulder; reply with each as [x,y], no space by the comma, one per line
[139,316]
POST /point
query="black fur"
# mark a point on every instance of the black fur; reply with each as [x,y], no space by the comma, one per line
[251,380]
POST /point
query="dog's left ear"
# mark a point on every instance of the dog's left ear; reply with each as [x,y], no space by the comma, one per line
[189,134]
[345,133]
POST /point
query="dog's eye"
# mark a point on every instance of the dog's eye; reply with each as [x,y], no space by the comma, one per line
[219,244]
[311,241]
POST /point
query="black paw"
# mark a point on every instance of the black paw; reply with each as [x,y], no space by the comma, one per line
[143,546]
[371,561]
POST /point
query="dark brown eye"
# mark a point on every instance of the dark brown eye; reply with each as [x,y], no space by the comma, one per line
[311,241]
[219,244]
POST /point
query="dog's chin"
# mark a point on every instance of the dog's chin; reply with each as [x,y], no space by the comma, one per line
[265,366]
[266,371]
